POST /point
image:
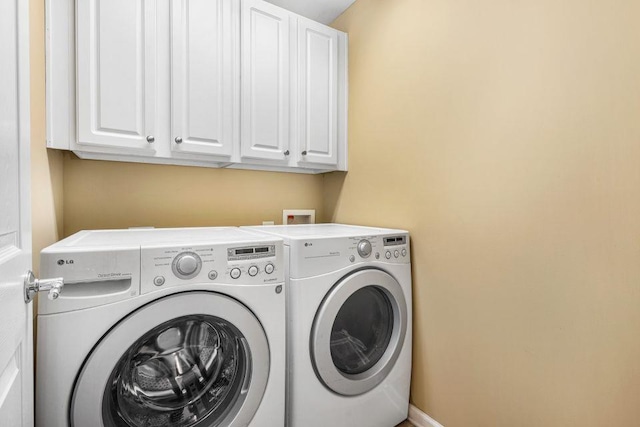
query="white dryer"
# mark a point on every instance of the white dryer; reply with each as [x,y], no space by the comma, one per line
[348,324]
[163,327]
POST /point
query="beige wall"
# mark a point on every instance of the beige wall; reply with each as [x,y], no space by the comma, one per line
[506,137]
[119,195]
[46,165]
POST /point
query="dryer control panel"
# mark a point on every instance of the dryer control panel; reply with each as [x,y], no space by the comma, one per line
[248,264]
[316,256]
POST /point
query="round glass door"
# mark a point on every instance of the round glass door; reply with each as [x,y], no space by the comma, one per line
[361,331]
[202,361]
[181,373]
[358,332]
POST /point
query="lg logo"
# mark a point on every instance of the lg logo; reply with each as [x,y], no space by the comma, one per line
[306,245]
[65,261]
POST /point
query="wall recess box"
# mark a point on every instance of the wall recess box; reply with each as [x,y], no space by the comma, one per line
[298,216]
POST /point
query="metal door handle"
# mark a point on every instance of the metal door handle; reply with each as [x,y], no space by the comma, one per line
[32,286]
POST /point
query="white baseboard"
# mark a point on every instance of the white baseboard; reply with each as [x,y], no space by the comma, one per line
[420,419]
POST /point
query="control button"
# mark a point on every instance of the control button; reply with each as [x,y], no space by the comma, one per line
[352,258]
[404,252]
[364,248]
[269,268]
[213,275]
[186,265]
[396,253]
[253,270]
[387,254]
[377,255]
[235,273]
[158,281]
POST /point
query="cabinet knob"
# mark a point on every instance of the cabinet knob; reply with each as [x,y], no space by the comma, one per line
[150,139]
[304,153]
[178,140]
[286,153]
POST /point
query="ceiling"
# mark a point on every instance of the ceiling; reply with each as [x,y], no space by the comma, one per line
[324,11]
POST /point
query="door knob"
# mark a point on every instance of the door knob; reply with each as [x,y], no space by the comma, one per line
[32,286]
[150,139]
[178,140]
[304,153]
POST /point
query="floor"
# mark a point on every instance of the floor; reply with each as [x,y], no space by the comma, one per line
[405,424]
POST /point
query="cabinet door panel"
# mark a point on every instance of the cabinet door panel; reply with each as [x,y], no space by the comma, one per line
[318,93]
[265,81]
[116,72]
[204,87]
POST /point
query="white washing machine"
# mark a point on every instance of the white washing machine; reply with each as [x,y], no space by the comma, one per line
[348,324]
[163,327]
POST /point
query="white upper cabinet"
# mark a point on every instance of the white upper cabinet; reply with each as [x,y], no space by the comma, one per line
[216,83]
[266,81]
[317,116]
[116,67]
[204,76]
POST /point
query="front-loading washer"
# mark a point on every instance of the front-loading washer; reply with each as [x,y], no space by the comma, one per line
[163,327]
[348,324]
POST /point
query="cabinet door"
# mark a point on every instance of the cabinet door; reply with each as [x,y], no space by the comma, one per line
[317,94]
[205,76]
[265,81]
[116,55]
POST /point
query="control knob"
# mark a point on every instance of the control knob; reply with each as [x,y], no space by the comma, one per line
[364,248]
[253,270]
[186,265]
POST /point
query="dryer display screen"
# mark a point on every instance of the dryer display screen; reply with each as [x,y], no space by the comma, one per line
[392,241]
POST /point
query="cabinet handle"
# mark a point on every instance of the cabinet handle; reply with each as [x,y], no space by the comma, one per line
[150,139]
[304,153]
[286,153]
[178,140]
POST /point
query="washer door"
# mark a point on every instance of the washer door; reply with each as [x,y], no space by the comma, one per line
[358,332]
[191,359]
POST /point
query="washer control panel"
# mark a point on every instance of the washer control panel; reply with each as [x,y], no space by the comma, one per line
[250,264]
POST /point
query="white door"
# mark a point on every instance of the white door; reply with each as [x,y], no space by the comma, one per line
[265,81]
[116,60]
[16,341]
[318,93]
[204,69]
